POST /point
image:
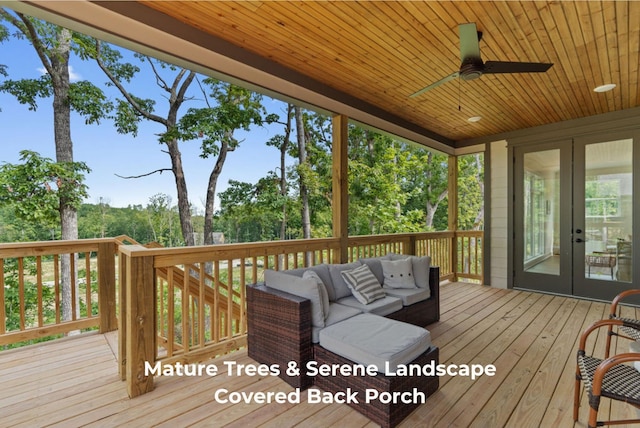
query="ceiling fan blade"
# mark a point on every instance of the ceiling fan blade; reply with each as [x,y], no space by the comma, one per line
[469,43]
[433,85]
[494,67]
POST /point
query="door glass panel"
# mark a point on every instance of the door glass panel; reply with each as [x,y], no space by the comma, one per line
[608,210]
[541,212]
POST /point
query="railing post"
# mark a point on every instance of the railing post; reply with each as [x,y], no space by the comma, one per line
[122,304]
[411,245]
[453,213]
[140,329]
[107,286]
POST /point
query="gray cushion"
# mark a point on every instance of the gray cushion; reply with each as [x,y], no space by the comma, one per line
[398,273]
[337,313]
[341,289]
[409,296]
[307,288]
[372,340]
[323,272]
[363,284]
[383,307]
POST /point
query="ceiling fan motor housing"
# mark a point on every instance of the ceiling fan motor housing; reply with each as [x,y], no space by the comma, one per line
[471,70]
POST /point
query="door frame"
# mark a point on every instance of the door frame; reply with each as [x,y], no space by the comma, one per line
[550,141]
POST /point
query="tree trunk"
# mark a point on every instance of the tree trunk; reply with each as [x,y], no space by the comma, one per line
[304,191]
[283,174]
[184,207]
[479,220]
[302,159]
[64,153]
[211,191]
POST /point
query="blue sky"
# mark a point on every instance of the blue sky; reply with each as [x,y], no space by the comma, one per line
[108,153]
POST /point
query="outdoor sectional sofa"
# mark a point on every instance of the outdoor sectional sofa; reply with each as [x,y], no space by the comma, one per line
[312,315]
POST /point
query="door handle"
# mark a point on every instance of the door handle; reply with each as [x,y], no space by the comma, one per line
[578,240]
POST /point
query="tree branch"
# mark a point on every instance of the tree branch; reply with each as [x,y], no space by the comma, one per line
[124,92]
[32,34]
[160,171]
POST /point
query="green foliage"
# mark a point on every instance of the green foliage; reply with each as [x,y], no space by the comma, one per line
[236,108]
[35,187]
[84,97]
[471,192]
[394,187]
[27,91]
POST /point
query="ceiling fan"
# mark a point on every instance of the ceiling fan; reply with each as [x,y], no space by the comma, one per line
[472,65]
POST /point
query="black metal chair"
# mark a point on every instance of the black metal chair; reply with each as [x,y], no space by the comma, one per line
[611,377]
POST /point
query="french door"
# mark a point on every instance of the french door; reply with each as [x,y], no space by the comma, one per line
[574,215]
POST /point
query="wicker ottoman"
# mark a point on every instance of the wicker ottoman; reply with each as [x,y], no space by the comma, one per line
[399,343]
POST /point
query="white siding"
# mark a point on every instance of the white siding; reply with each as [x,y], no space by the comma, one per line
[499,214]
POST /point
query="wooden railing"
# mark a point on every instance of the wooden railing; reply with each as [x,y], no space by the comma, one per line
[469,255]
[182,304]
[31,288]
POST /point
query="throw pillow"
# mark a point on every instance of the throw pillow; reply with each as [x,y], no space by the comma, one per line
[309,274]
[340,287]
[363,284]
[398,273]
[421,267]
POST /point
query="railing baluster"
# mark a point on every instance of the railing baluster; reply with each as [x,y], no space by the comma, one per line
[39,288]
[74,285]
[58,291]
[21,292]
[3,314]
[229,299]
[87,279]
[170,312]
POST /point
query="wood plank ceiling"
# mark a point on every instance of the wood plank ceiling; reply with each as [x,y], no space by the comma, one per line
[383,51]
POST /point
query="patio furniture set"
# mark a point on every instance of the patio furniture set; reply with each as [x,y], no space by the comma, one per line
[370,313]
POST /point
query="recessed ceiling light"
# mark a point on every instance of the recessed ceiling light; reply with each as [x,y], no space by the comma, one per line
[605,88]
[474,119]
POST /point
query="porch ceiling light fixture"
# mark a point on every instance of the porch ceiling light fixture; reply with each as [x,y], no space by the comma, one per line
[474,119]
[605,88]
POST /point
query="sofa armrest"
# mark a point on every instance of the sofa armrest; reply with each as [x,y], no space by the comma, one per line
[279,330]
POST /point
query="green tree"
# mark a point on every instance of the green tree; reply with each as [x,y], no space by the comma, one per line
[132,109]
[235,109]
[471,192]
[36,187]
[53,46]
[160,215]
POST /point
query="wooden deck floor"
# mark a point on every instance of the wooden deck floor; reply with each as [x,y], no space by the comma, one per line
[530,338]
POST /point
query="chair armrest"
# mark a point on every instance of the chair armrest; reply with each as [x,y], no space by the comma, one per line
[596,325]
[619,298]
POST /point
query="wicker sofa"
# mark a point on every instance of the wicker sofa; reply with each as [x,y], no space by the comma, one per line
[282,329]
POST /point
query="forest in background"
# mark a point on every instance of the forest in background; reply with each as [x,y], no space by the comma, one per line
[392,186]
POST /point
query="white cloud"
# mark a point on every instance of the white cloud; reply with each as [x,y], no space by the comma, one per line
[73,76]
